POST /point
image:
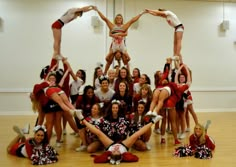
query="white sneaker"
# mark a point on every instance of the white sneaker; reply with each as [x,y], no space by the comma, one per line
[64,132]
[187,130]
[207,124]
[18,131]
[175,58]
[182,136]
[59,57]
[154,114]
[26,129]
[148,146]
[156,118]
[79,114]
[168,131]
[149,113]
[58,144]
[81,148]
[157,131]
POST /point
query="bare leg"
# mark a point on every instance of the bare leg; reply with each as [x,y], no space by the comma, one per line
[66,101]
[94,146]
[70,120]
[64,122]
[187,119]
[128,142]
[103,138]
[182,121]
[49,124]
[57,41]
[194,115]
[140,145]
[126,59]
[57,125]
[109,59]
[172,117]
[177,42]
[41,116]
[162,97]
[163,122]
[56,98]
[154,99]
[17,139]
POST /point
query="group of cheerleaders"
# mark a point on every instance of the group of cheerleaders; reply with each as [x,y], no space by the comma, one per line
[53,95]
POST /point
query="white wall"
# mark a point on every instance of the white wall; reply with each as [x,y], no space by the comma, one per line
[26,45]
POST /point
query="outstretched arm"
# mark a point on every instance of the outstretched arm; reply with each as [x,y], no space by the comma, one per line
[63,78]
[188,75]
[134,19]
[68,66]
[156,12]
[177,74]
[109,24]
[85,8]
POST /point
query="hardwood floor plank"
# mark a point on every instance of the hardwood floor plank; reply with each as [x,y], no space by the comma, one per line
[221,130]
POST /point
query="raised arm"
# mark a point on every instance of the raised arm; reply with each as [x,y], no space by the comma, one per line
[134,19]
[85,8]
[156,12]
[68,66]
[108,22]
[63,78]
[188,75]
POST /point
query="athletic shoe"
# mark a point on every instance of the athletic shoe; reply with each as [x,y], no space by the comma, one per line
[168,131]
[187,130]
[175,58]
[64,132]
[156,118]
[163,140]
[81,148]
[58,144]
[59,57]
[182,136]
[26,129]
[157,131]
[18,131]
[149,113]
[207,124]
[148,146]
[79,114]
[177,142]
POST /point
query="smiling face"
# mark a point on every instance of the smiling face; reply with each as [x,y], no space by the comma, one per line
[90,93]
[182,78]
[115,109]
[122,87]
[79,74]
[135,73]
[39,136]
[95,110]
[141,108]
[104,85]
[123,73]
[52,80]
[119,19]
[144,92]
[99,72]
[142,79]
[198,130]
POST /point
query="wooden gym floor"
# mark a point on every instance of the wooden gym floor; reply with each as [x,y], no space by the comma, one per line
[222,130]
